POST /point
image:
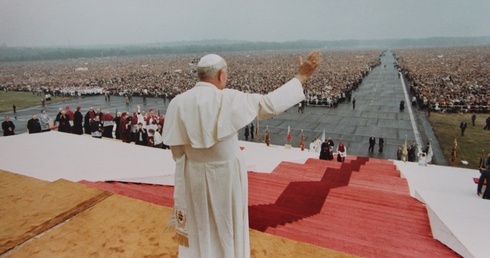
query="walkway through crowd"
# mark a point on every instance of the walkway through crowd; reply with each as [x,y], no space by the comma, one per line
[376,113]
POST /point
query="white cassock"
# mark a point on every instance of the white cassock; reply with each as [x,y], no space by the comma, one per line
[422,159]
[211,185]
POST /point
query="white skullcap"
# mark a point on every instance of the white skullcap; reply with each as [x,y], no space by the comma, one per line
[210,60]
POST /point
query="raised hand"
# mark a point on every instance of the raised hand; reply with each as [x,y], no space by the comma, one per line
[307,68]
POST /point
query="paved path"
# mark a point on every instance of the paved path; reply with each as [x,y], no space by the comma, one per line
[376,113]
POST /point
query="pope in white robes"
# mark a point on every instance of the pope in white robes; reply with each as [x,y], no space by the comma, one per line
[210,212]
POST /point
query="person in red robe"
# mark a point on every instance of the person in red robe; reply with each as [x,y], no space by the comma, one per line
[70,115]
[151,120]
[124,128]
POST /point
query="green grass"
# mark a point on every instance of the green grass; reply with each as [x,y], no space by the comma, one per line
[22,100]
[470,146]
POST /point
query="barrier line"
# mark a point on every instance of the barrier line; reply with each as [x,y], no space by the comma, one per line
[408,104]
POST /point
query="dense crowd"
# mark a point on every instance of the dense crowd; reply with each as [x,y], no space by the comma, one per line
[168,75]
[448,79]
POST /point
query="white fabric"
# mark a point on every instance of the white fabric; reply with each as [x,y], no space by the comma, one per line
[141,119]
[157,138]
[211,183]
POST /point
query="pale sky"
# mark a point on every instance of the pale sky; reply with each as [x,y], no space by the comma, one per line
[90,22]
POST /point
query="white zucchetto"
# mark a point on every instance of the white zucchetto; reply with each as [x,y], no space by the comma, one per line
[210,60]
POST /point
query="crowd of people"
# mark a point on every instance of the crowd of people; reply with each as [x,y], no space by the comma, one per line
[142,128]
[448,79]
[168,75]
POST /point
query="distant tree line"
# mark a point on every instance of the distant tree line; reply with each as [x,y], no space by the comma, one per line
[12,54]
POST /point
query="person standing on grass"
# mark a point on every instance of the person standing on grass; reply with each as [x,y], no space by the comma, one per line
[487,124]
[210,213]
[463,126]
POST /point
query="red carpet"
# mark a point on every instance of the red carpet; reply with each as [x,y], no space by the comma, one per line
[361,207]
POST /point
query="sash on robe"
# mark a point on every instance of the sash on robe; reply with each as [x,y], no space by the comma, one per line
[178,219]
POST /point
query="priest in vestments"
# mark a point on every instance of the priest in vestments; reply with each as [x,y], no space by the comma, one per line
[210,212]
[124,130]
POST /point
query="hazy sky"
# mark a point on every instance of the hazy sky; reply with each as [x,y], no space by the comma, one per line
[89,22]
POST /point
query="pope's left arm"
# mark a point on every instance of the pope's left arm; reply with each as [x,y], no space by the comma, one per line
[281,99]
[290,93]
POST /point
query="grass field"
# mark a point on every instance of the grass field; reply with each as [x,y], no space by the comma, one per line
[470,146]
[22,100]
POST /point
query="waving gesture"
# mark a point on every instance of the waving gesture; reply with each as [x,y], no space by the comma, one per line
[307,68]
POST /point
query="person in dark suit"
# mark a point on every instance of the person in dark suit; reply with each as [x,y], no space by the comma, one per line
[402,105]
[117,122]
[326,151]
[372,142]
[8,127]
[485,176]
[381,144]
[141,135]
[64,122]
[486,162]
[463,126]
[33,125]
[487,124]
[473,118]
[247,132]
[77,122]
[89,116]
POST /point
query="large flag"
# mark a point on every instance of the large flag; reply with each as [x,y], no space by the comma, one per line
[429,154]
[405,151]
[289,137]
[323,135]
